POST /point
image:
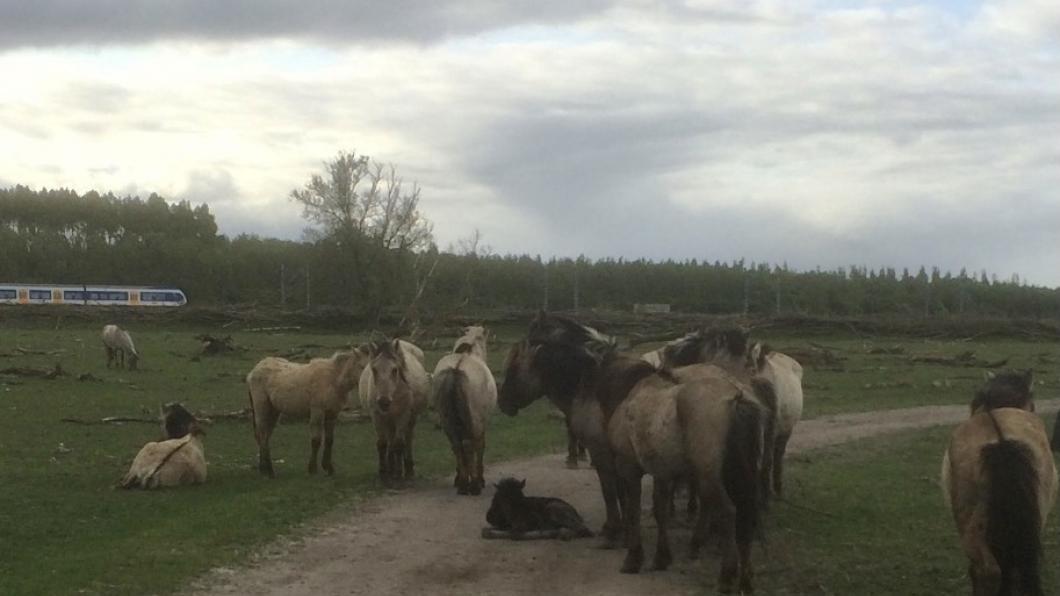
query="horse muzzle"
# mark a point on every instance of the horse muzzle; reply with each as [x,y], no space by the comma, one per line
[383,404]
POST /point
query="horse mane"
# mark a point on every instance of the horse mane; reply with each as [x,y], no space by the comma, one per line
[176,420]
[691,348]
[548,329]
[463,348]
[622,374]
[1009,389]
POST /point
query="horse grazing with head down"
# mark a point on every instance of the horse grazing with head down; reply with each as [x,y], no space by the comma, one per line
[393,390]
[517,515]
[1000,482]
[464,393]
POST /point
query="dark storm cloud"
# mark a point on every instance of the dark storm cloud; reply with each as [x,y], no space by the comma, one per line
[105,22]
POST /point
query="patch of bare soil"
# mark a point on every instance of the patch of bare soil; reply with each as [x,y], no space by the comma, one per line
[428,541]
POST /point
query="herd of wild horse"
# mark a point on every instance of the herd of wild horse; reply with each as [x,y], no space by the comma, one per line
[710,411]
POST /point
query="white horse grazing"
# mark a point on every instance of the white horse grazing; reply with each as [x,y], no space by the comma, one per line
[117,342]
[465,393]
[393,390]
[178,460]
[786,376]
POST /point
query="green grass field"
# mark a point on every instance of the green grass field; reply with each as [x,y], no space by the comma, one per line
[64,529]
[868,517]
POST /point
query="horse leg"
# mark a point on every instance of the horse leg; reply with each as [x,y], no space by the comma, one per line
[714,503]
[609,487]
[572,446]
[631,517]
[110,355]
[409,465]
[329,440]
[693,496]
[381,448]
[661,502]
[316,432]
[462,481]
[265,417]
[479,481]
[121,352]
[779,449]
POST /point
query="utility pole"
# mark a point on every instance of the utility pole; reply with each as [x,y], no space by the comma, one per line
[283,287]
[546,288]
[307,288]
[746,295]
[575,286]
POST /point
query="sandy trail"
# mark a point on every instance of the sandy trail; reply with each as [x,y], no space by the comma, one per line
[427,541]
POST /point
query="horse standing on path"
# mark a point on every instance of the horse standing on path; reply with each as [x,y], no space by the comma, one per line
[393,390]
[1000,482]
[464,393]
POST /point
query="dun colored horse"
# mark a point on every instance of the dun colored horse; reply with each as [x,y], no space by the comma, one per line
[1000,482]
[393,389]
[464,394]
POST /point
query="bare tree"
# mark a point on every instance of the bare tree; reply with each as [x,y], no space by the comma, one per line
[357,196]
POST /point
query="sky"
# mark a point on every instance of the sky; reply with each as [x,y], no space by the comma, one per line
[817,133]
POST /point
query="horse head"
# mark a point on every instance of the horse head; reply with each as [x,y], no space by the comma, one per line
[508,501]
[177,421]
[1009,389]
[522,384]
[387,363]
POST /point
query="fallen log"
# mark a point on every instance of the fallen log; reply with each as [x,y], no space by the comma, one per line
[39,373]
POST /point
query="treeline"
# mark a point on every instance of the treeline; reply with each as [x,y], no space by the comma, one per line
[58,236]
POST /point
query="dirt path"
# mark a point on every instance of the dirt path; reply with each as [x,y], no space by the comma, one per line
[427,542]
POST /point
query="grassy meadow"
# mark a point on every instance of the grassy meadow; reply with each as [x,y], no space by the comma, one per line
[64,529]
[868,518]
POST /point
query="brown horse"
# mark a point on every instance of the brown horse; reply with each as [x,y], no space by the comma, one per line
[636,420]
[1000,482]
[561,359]
[708,429]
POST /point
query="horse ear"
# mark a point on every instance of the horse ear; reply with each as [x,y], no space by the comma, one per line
[522,483]
[989,375]
[1028,376]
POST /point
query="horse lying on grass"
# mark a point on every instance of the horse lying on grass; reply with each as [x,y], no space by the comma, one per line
[1000,482]
[178,460]
[516,516]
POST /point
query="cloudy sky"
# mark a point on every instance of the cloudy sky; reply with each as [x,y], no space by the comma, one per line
[817,133]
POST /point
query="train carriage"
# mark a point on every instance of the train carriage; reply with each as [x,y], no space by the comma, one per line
[91,295]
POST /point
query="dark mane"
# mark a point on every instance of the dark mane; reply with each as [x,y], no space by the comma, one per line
[1009,389]
[558,329]
[619,375]
[176,420]
[704,344]
[463,348]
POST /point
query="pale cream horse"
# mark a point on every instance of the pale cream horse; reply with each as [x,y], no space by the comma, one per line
[464,394]
[1000,482]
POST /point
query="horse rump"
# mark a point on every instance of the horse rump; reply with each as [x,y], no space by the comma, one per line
[450,400]
[1013,527]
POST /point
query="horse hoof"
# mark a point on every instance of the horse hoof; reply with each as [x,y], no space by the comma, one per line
[661,562]
[632,564]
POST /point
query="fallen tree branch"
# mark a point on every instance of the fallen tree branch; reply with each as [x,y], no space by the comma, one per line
[39,373]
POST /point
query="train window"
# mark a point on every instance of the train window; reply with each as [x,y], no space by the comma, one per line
[73,295]
[40,294]
[6,294]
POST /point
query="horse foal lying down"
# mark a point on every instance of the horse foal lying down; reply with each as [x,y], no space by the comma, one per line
[516,516]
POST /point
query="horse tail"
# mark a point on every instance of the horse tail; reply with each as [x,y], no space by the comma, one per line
[453,406]
[1013,526]
[741,470]
[1055,442]
[766,393]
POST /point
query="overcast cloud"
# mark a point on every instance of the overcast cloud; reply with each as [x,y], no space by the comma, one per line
[889,133]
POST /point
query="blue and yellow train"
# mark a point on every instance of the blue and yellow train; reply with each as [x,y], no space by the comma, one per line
[90,295]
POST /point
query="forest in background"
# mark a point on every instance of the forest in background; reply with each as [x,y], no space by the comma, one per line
[59,236]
